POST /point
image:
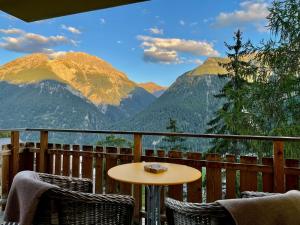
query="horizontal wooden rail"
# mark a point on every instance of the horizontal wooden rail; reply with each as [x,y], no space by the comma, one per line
[292,171]
[146,133]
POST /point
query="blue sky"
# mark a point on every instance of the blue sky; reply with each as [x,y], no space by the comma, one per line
[151,41]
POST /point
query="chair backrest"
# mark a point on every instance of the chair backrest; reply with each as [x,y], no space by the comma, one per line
[65,207]
[74,203]
[71,202]
[183,213]
[70,183]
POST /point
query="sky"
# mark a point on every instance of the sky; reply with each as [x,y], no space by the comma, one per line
[157,40]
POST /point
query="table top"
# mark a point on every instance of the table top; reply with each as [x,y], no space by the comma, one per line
[134,173]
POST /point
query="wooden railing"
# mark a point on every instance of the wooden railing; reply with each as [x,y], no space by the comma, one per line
[225,177]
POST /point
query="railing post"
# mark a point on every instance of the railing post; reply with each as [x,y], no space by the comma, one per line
[137,188]
[43,151]
[6,178]
[15,143]
[278,165]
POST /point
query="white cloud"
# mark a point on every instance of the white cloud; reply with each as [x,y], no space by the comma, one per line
[156,55]
[167,50]
[73,30]
[155,30]
[102,21]
[11,31]
[181,22]
[30,43]
[198,61]
[249,12]
[54,55]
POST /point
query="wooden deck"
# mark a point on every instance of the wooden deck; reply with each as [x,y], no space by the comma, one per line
[223,176]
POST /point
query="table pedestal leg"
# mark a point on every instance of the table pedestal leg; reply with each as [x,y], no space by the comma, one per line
[153,205]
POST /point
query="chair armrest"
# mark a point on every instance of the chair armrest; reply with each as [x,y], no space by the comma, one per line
[203,209]
[255,194]
[71,183]
[196,213]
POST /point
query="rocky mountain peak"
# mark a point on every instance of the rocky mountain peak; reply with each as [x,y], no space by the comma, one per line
[96,79]
[152,87]
[210,67]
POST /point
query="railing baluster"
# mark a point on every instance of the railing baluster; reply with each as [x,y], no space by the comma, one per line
[175,191]
[6,176]
[75,161]
[292,181]
[137,190]
[125,188]
[43,159]
[58,159]
[246,176]
[87,162]
[29,156]
[51,156]
[111,161]
[230,178]
[267,178]
[278,163]
[99,170]
[213,178]
[194,189]
[66,160]
[15,142]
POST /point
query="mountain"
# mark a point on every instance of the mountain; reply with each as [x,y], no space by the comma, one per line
[97,81]
[153,88]
[137,100]
[190,100]
[80,91]
[47,104]
[211,66]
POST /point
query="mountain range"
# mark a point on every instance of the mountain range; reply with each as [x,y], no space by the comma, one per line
[153,88]
[77,90]
[189,100]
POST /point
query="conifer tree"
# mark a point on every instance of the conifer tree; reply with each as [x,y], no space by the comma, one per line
[279,57]
[173,142]
[113,141]
[232,117]
[277,92]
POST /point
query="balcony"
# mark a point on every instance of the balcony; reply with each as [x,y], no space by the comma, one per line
[224,176]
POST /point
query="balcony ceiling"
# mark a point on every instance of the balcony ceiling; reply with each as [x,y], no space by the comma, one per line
[33,10]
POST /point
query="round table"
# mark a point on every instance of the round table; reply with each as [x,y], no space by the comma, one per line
[134,173]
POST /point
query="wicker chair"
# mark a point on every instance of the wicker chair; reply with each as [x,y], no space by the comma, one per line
[73,203]
[70,183]
[184,213]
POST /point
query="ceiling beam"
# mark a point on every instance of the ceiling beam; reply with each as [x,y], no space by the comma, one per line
[33,10]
